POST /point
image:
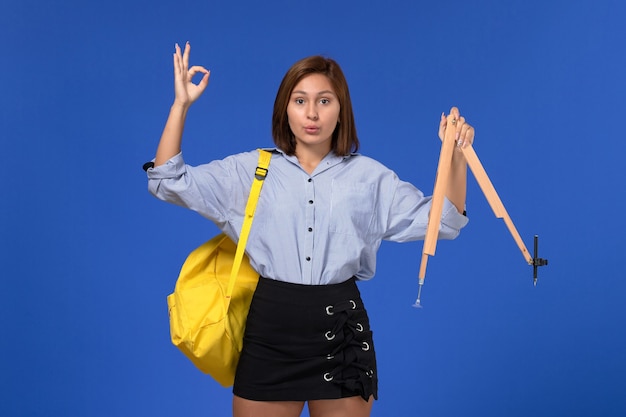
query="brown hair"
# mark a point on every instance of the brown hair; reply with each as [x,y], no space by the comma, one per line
[344,139]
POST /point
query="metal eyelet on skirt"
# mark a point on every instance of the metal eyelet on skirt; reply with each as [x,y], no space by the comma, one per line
[370,373]
[330,357]
[366,346]
[359,327]
[353,304]
[329,335]
[328,377]
[329,310]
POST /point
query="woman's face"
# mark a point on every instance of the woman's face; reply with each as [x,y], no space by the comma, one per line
[313,112]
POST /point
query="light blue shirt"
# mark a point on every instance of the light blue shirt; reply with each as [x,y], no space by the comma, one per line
[313,229]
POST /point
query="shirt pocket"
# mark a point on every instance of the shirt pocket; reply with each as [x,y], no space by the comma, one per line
[352,208]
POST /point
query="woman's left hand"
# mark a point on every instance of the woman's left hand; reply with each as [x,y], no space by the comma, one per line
[464,132]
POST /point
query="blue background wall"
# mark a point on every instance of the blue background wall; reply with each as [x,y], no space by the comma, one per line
[88,256]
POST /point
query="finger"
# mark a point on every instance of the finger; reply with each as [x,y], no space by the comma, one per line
[460,123]
[442,125]
[467,136]
[177,68]
[459,126]
[186,56]
[463,127]
[196,69]
[204,81]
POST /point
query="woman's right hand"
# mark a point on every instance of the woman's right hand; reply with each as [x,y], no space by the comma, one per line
[186,92]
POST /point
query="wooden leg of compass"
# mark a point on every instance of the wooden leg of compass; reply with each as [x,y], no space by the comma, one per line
[493,198]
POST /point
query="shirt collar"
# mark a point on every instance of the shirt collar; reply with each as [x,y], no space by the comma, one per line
[329,160]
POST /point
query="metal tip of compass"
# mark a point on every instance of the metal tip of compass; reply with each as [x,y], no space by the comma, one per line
[418,303]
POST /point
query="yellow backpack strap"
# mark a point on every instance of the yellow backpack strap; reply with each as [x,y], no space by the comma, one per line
[255,192]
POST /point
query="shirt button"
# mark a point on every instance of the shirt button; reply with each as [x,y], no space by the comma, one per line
[310,229]
[310,201]
[310,180]
[308,258]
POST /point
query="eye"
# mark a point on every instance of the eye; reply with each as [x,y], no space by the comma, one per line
[299,101]
[325,101]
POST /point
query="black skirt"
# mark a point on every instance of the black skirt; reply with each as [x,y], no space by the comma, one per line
[306,342]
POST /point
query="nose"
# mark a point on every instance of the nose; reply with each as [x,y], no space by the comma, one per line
[312,111]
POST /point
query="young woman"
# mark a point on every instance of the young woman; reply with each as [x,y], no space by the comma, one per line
[322,214]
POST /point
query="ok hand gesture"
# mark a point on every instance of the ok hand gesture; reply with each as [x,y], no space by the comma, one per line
[186,92]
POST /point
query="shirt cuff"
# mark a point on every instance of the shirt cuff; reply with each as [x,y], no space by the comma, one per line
[173,168]
[451,217]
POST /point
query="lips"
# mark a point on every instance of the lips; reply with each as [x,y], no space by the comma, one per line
[311,129]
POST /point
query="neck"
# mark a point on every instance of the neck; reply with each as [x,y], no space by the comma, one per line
[310,157]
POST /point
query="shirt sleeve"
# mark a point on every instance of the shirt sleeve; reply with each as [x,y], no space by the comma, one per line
[408,215]
[208,189]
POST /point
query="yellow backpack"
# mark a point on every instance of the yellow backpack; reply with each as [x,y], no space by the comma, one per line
[210,303]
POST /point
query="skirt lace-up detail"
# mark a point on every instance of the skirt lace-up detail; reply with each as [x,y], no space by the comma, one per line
[351,364]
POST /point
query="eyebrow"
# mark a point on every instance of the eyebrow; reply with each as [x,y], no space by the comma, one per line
[321,93]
